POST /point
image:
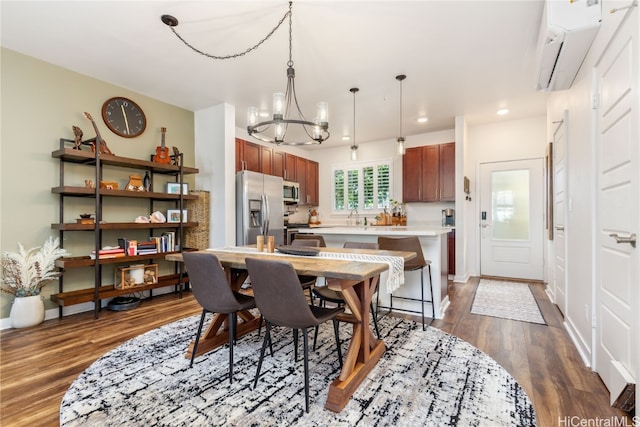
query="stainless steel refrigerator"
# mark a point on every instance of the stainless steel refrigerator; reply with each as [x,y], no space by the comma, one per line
[259,207]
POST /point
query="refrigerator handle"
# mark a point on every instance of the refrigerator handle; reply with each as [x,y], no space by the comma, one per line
[265,218]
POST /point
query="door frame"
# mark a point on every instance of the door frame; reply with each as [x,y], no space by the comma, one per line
[479,210]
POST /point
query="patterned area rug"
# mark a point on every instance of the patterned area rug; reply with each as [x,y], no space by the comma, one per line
[508,300]
[425,378]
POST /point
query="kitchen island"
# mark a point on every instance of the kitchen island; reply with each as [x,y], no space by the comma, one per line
[434,247]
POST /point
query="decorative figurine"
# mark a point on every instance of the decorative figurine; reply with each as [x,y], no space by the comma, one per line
[77,138]
[146,181]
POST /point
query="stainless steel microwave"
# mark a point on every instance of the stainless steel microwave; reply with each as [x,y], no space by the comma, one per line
[291,192]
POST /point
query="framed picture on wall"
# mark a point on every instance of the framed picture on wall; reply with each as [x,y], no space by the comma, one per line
[173,215]
[174,188]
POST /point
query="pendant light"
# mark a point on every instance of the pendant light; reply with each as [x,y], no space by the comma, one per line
[400,138]
[354,147]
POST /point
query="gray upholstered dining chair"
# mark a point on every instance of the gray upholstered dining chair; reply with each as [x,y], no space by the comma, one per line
[305,236]
[281,301]
[410,244]
[213,292]
[307,282]
[325,294]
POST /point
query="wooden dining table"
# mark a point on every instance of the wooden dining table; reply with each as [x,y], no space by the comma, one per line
[358,283]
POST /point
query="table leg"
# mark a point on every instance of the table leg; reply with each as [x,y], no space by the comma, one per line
[364,349]
[216,335]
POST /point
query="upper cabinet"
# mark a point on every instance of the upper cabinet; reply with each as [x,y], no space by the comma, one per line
[267,160]
[248,156]
[312,183]
[428,173]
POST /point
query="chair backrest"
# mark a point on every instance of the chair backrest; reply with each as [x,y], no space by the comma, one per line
[314,243]
[408,243]
[361,245]
[301,236]
[209,283]
[278,293]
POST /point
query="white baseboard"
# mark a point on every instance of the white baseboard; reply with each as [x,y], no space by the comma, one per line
[461,279]
[578,342]
[444,304]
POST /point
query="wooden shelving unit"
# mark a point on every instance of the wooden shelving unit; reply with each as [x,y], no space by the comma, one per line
[97,161]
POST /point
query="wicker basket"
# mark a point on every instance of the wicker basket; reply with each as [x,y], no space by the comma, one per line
[198,237]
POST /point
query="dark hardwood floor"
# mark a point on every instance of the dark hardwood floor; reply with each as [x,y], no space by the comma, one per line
[38,364]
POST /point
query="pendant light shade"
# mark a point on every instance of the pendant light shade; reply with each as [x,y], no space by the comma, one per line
[400,138]
[354,147]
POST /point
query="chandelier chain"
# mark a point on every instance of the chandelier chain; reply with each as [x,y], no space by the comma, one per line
[290,63]
[254,47]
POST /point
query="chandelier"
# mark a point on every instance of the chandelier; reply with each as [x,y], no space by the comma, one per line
[354,147]
[286,110]
[400,138]
[283,103]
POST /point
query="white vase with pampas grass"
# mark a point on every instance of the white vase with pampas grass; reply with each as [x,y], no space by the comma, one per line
[24,274]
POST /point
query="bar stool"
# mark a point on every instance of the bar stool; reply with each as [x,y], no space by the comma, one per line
[410,244]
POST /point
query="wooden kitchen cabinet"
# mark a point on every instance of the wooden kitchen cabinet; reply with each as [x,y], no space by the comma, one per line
[266,160]
[278,163]
[312,183]
[428,173]
[301,179]
[290,167]
[248,156]
[447,172]
[451,251]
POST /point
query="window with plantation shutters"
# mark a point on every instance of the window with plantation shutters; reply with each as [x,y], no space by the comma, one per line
[364,186]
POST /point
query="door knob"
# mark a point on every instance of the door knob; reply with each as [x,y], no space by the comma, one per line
[630,239]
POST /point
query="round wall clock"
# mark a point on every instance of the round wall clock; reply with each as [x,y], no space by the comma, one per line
[124,117]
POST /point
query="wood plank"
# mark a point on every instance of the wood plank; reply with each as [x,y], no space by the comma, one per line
[91,192]
[88,157]
[86,295]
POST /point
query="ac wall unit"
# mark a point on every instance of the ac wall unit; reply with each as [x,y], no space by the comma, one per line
[567,31]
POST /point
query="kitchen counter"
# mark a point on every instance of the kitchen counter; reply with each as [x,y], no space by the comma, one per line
[381,230]
[434,247]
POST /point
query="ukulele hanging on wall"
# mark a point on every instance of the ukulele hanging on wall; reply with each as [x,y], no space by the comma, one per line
[162,152]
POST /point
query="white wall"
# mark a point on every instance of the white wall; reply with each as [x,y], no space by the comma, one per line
[495,142]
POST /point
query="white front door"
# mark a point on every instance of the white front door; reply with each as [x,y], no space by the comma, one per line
[559,210]
[511,213]
[617,156]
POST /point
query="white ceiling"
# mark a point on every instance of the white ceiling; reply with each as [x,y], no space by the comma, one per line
[461,57]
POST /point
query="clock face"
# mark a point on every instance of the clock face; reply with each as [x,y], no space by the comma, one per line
[124,117]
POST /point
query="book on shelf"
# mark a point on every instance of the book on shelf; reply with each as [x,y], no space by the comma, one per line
[107,253]
[147,251]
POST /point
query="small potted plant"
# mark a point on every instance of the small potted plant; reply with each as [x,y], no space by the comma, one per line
[24,274]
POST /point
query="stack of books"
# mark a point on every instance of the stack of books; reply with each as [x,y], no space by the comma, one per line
[147,248]
[108,252]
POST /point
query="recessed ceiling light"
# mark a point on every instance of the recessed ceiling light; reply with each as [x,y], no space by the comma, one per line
[502,111]
[346,138]
[423,119]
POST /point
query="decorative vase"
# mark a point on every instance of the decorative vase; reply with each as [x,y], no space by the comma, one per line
[27,311]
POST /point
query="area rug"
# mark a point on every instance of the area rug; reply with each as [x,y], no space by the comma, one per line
[507,300]
[425,378]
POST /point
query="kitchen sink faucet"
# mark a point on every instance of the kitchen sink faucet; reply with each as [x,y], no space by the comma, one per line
[351,215]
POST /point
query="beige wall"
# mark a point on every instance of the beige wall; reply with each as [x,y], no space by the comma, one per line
[39,104]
